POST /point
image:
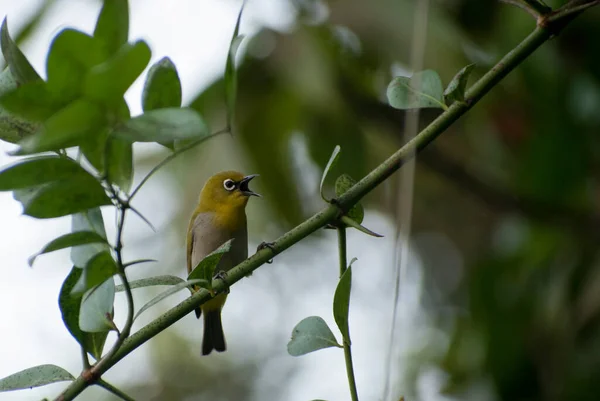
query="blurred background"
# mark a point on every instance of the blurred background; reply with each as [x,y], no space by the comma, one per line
[502,295]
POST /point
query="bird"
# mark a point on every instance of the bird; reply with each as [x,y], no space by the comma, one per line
[219,216]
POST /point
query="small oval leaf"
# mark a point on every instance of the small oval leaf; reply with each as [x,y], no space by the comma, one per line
[98,269]
[332,162]
[205,269]
[311,334]
[162,87]
[341,302]
[97,308]
[455,92]
[343,183]
[424,89]
[35,377]
[69,308]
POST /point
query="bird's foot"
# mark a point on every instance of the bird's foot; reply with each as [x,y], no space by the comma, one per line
[221,275]
[264,245]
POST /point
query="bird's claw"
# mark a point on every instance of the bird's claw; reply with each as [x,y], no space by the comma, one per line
[264,245]
[222,275]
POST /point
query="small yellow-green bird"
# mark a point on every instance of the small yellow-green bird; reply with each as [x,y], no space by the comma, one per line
[219,217]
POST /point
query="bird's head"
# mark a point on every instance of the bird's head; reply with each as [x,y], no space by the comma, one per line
[227,189]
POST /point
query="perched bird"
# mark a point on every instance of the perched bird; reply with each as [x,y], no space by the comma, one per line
[219,217]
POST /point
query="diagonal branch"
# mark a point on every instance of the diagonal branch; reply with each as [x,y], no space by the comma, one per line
[538,37]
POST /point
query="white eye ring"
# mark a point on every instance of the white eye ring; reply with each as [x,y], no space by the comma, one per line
[229,184]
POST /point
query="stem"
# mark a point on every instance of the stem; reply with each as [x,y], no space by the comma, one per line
[124,333]
[347,350]
[533,7]
[112,389]
[171,157]
[331,212]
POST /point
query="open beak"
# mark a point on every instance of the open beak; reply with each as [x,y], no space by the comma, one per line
[244,186]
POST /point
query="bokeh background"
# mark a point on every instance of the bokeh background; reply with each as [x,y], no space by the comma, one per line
[501,300]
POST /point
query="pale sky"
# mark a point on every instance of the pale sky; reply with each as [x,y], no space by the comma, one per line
[195,35]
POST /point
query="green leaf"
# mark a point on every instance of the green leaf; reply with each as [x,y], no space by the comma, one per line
[99,268]
[163,125]
[162,88]
[169,292]
[70,307]
[89,220]
[35,377]
[343,183]
[19,65]
[205,270]
[97,308]
[32,101]
[152,281]
[230,77]
[108,82]
[69,240]
[61,198]
[311,334]
[65,128]
[422,90]
[330,164]
[112,27]
[38,170]
[12,127]
[72,54]
[341,302]
[455,92]
[120,163]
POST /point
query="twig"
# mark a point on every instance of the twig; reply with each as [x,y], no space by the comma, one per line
[533,7]
[171,157]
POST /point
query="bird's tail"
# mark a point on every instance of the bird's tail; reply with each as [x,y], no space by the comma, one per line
[214,338]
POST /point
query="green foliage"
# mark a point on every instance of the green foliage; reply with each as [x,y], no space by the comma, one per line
[311,334]
[17,62]
[70,307]
[172,290]
[455,91]
[35,377]
[68,241]
[422,90]
[96,311]
[205,270]
[37,171]
[341,302]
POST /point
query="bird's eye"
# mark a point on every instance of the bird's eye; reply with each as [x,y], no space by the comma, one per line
[229,184]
